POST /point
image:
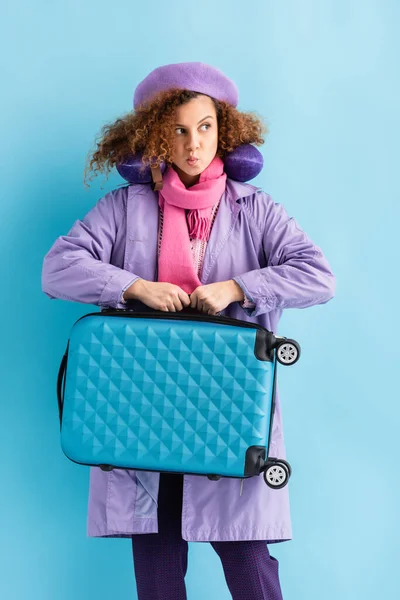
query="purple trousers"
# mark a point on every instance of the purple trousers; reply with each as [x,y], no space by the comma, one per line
[160,559]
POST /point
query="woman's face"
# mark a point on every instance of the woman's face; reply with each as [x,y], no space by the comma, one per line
[196,134]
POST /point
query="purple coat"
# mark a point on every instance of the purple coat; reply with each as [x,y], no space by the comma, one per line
[254,242]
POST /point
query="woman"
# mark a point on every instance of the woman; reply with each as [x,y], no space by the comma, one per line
[217,245]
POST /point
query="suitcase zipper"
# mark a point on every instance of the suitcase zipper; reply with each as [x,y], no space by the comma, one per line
[116,312]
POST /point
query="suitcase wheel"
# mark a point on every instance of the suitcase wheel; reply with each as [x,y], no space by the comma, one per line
[214,477]
[287,352]
[289,468]
[276,475]
[106,467]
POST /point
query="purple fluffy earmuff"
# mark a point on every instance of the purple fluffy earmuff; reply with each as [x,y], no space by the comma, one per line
[242,164]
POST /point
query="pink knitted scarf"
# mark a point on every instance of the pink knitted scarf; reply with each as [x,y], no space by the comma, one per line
[175,263]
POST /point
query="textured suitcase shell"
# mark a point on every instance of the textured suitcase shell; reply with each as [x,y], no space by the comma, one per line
[160,391]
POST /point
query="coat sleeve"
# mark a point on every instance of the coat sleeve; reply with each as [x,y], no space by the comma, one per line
[77,267]
[298,274]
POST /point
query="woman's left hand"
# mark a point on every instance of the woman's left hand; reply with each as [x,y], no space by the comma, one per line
[214,297]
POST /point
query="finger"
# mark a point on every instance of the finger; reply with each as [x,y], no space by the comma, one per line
[178,304]
[171,307]
[204,305]
[193,300]
[195,296]
[184,298]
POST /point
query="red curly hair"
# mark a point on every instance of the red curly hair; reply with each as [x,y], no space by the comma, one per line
[150,131]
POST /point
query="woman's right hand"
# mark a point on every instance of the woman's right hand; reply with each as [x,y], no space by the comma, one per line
[167,297]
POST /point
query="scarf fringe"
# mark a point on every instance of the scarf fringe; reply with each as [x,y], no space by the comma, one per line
[199,227]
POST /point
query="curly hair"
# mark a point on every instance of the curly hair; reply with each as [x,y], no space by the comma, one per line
[150,131]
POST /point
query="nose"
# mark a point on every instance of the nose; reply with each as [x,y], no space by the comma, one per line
[192,142]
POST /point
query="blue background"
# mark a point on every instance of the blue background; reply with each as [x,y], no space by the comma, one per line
[324,74]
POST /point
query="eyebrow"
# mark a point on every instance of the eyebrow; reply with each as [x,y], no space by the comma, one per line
[207,117]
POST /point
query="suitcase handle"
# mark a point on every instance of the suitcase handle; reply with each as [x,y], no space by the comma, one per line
[136,306]
[60,387]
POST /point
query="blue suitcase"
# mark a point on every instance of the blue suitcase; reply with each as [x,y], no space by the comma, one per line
[180,392]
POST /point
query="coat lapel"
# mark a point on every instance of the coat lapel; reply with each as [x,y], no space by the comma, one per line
[227,214]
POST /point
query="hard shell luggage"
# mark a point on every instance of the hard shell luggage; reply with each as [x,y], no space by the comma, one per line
[181,392]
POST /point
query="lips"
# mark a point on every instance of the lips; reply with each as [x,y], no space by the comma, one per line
[192,161]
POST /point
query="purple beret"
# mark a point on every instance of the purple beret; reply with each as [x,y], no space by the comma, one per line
[195,76]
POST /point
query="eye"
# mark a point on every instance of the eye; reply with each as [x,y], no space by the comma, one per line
[183,129]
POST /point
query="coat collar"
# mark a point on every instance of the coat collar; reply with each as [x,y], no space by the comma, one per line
[235,190]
